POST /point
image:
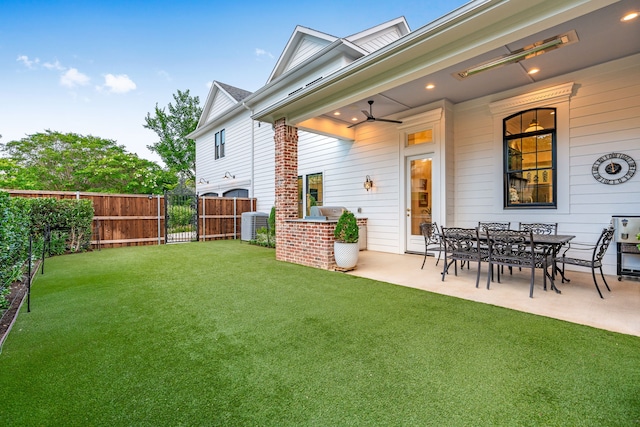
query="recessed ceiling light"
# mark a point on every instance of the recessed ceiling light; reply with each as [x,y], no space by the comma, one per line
[533,71]
[337,113]
[430,86]
[354,119]
[629,16]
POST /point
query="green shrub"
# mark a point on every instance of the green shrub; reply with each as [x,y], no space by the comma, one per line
[14,242]
[266,236]
[180,216]
[70,220]
[346,230]
[272,220]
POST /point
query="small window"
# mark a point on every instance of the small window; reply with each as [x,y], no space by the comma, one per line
[422,137]
[219,140]
[530,159]
[312,189]
[237,192]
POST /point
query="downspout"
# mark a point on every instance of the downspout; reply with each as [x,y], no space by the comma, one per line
[252,152]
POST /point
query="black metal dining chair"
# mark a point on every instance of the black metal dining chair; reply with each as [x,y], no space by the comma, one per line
[540,227]
[547,228]
[515,248]
[461,244]
[597,254]
[484,226]
[432,240]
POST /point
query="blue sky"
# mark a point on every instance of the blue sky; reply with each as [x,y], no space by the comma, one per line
[97,68]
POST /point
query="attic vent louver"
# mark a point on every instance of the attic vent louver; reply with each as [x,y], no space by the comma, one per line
[314,81]
[306,86]
[295,91]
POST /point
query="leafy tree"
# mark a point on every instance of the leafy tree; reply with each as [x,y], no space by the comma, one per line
[12,175]
[72,162]
[176,150]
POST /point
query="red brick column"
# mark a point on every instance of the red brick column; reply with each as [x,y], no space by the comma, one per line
[286,145]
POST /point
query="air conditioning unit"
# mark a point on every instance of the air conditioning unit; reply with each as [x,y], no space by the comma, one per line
[250,222]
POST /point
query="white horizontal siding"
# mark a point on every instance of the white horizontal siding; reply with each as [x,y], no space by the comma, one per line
[264,174]
[237,159]
[379,40]
[220,104]
[345,165]
[307,47]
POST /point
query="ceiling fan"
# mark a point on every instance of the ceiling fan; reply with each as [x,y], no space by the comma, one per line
[370,117]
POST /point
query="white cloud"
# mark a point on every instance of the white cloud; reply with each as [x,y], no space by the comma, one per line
[53,66]
[165,75]
[119,84]
[73,78]
[262,52]
[27,62]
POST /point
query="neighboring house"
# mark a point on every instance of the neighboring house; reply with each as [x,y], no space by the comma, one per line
[484,137]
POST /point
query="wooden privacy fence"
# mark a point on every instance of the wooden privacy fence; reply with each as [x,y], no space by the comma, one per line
[136,220]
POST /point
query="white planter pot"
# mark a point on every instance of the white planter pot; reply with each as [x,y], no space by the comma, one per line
[346,254]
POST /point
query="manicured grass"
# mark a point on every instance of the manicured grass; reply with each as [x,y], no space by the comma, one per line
[219,333]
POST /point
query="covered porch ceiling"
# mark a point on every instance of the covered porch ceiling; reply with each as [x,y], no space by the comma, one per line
[399,78]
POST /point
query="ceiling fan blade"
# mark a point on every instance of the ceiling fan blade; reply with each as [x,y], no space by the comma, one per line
[367,114]
[388,120]
[356,124]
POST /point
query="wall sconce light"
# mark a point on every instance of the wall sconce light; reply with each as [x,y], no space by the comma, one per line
[203,181]
[227,175]
[368,184]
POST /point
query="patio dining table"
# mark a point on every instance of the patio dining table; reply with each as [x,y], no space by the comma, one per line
[551,245]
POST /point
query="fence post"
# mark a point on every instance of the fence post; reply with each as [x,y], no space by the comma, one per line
[29,277]
[159,241]
[204,219]
[235,218]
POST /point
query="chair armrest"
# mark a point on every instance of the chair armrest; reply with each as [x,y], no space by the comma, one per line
[577,246]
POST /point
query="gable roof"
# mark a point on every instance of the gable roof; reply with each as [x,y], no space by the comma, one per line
[306,42]
[381,35]
[303,43]
[215,104]
[236,93]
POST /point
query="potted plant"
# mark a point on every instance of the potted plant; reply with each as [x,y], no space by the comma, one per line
[345,247]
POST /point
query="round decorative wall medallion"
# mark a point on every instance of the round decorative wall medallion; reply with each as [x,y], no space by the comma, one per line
[614,168]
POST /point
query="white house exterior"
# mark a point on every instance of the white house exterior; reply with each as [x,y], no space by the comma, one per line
[588,85]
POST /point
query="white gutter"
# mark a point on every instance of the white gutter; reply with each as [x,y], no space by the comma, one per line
[253,149]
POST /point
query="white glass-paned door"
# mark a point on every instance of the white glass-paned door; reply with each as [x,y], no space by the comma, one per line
[419,199]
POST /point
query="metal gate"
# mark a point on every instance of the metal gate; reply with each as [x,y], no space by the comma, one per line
[180,216]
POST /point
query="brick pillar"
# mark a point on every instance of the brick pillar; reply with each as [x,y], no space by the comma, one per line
[286,145]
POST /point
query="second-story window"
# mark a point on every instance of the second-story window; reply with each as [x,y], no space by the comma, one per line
[219,144]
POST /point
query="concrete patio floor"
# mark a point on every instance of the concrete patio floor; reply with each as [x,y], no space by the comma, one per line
[579,302]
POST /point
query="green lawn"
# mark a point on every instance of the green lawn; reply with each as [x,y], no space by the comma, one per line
[219,333]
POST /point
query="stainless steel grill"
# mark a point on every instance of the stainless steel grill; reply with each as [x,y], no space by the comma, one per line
[627,229]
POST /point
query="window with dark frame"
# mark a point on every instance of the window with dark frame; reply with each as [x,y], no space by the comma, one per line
[219,142]
[530,159]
